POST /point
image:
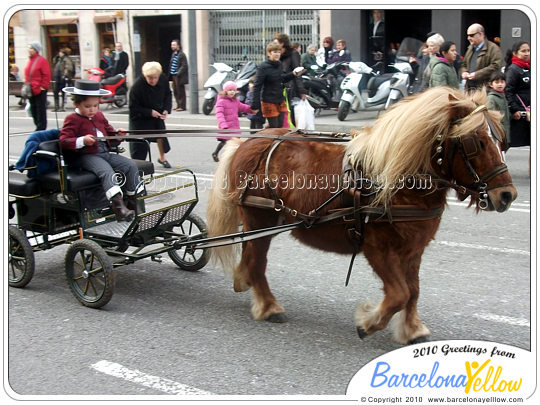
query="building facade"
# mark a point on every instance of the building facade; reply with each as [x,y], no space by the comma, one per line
[231,36]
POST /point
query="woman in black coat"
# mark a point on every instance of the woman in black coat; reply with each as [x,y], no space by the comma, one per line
[290,60]
[150,103]
[518,92]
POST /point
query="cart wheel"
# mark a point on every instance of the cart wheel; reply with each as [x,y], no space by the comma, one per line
[187,258]
[89,273]
[21,258]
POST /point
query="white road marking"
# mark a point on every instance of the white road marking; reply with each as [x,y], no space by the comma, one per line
[150,381]
[483,247]
[504,319]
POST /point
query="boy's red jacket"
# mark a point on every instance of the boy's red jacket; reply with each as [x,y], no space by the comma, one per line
[76,125]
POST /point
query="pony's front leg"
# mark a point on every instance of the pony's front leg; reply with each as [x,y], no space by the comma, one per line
[253,268]
[387,265]
[406,324]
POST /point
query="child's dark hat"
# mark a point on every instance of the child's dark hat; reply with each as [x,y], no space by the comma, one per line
[86,88]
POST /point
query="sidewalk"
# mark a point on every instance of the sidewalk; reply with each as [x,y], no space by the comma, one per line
[325,121]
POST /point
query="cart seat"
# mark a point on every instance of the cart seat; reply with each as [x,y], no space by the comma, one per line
[49,181]
[78,180]
[21,185]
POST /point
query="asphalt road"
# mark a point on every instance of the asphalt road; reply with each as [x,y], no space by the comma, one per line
[167,331]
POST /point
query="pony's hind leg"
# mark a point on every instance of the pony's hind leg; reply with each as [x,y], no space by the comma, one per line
[250,272]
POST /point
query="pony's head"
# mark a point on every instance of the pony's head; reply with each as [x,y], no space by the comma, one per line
[413,136]
[471,156]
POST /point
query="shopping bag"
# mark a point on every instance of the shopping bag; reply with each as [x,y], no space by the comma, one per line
[304,115]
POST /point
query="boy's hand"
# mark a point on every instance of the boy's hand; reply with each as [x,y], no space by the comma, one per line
[89,140]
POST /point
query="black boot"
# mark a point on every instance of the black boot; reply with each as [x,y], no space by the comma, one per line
[131,203]
[121,212]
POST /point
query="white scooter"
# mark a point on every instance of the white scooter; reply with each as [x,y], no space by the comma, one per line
[365,88]
[401,82]
[214,84]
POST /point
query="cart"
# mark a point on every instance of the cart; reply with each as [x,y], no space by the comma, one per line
[67,206]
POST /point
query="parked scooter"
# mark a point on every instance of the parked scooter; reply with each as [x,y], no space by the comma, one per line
[322,86]
[365,88]
[214,84]
[402,81]
[245,73]
[115,84]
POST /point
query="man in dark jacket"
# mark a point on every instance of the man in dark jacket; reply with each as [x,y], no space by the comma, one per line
[482,58]
[178,72]
[120,59]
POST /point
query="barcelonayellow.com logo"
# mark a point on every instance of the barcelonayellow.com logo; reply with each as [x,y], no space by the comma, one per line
[456,368]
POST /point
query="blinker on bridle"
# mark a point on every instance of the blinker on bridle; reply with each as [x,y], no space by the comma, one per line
[469,146]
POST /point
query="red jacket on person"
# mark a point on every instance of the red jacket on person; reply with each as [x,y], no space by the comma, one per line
[40,75]
[76,125]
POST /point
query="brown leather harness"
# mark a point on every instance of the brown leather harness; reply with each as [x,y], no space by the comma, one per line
[354,190]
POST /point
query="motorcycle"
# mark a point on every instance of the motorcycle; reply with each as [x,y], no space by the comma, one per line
[322,86]
[245,73]
[214,84]
[115,84]
[365,88]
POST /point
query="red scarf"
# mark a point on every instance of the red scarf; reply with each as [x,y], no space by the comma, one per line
[521,63]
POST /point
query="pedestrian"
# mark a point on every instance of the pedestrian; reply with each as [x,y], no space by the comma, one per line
[106,63]
[268,87]
[422,77]
[256,120]
[341,53]
[482,58]
[82,147]
[178,74]
[120,60]
[227,108]
[14,73]
[518,92]
[442,68]
[309,59]
[376,37]
[496,100]
[295,90]
[325,51]
[64,70]
[37,73]
[150,103]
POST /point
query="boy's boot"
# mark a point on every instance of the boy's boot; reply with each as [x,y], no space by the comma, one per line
[131,203]
[121,212]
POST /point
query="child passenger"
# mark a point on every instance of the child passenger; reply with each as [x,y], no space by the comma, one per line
[81,143]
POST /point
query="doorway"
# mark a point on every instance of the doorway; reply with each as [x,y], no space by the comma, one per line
[156,34]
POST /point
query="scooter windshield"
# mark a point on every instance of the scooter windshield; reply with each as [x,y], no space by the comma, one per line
[409,47]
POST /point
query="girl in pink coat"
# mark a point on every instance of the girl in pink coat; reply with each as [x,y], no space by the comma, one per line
[227,109]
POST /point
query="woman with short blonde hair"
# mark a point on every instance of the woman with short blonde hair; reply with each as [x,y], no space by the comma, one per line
[150,103]
[152,68]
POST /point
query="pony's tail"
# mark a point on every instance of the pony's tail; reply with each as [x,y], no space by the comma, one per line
[222,212]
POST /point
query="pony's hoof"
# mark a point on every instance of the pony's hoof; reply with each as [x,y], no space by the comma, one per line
[420,339]
[277,318]
[361,332]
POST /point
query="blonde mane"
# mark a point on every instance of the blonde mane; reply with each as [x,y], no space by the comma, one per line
[400,142]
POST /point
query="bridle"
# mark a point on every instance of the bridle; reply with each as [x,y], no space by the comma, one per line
[468,147]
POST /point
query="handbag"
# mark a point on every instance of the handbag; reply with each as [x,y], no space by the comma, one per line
[304,114]
[26,89]
[527,109]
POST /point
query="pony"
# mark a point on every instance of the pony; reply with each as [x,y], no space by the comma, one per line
[381,194]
